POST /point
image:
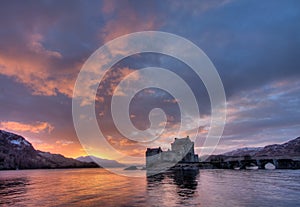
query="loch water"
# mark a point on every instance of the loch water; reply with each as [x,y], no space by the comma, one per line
[99,187]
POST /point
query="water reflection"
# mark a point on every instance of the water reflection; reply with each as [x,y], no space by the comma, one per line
[12,188]
[186,181]
[174,188]
[155,179]
[98,187]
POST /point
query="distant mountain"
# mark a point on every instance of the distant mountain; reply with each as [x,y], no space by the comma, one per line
[289,149]
[103,162]
[243,151]
[17,153]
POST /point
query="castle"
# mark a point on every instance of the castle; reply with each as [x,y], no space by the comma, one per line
[182,151]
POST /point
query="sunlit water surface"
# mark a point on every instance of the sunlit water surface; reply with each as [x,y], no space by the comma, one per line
[98,187]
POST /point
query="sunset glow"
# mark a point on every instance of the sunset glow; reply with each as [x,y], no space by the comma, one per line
[44,45]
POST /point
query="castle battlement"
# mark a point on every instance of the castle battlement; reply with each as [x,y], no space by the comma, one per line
[182,151]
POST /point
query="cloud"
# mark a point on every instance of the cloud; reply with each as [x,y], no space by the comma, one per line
[120,141]
[25,57]
[174,101]
[35,45]
[111,80]
[44,146]
[34,69]
[36,127]
[130,16]
[126,146]
[64,142]
[266,115]
[196,7]
[256,53]
[41,50]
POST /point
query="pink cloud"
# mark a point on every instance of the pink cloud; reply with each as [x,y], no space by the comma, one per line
[35,66]
[24,127]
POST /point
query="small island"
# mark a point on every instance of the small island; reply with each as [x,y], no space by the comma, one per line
[181,157]
[131,168]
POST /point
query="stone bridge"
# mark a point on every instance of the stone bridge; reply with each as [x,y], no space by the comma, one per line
[281,162]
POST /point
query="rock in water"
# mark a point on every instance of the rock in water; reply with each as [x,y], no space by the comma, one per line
[270,166]
[131,168]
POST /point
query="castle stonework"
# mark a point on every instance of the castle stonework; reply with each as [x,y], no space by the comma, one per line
[182,151]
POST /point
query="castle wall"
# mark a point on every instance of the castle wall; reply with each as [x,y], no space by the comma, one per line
[182,150]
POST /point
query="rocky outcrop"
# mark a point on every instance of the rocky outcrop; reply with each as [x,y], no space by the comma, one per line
[17,153]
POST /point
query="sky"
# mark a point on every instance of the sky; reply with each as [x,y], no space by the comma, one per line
[254,45]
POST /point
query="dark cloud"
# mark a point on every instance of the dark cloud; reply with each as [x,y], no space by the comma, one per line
[255,46]
[250,43]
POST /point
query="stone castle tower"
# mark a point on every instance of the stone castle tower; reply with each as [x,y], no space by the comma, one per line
[182,151]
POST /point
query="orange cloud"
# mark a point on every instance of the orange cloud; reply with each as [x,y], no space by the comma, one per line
[137,152]
[64,142]
[35,66]
[126,146]
[120,142]
[23,127]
